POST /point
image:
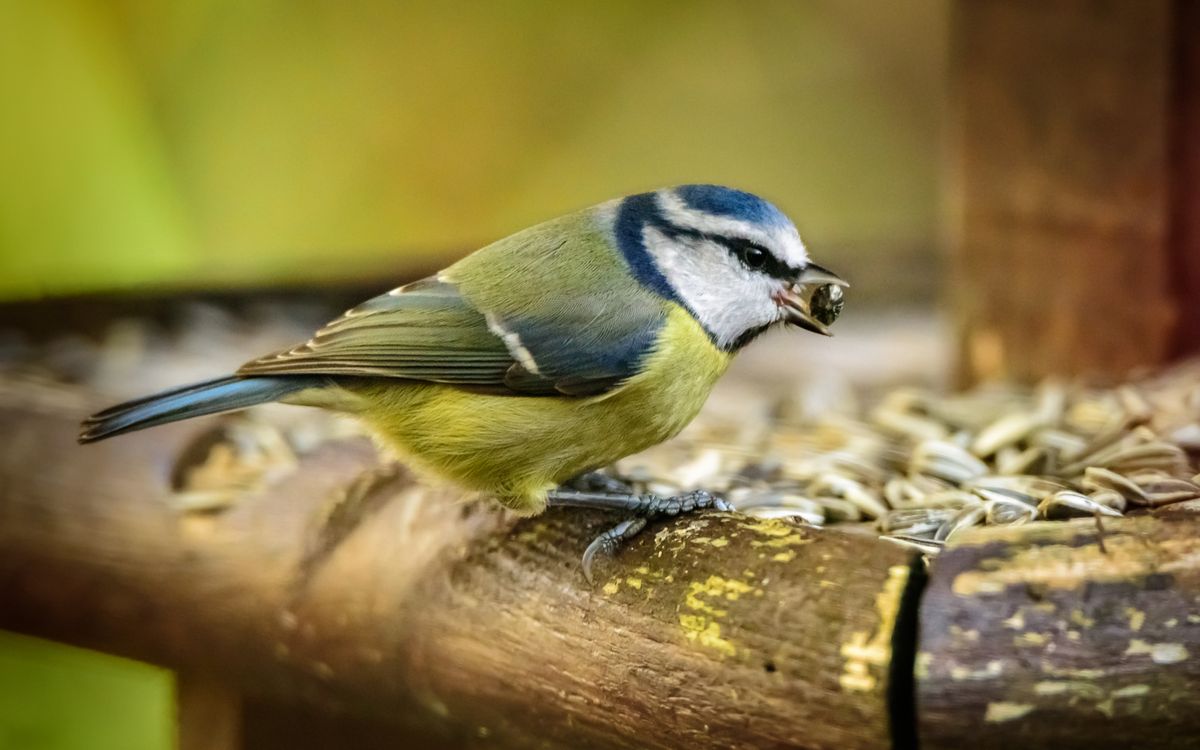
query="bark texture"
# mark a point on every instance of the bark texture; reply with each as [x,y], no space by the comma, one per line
[1064,635]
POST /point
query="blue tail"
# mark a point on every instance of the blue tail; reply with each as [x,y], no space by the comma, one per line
[209,397]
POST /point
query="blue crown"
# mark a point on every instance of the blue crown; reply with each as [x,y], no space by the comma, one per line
[735,204]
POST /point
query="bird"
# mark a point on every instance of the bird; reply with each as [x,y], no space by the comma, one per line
[526,366]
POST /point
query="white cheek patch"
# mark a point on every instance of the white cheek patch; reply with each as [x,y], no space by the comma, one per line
[726,298]
[783,240]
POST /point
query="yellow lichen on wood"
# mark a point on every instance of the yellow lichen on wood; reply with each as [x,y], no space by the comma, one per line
[707,632]
[1160,653]
[921,665]
[644,580]
[693,600]
[1085,693]
[864,650]
[703,627]
[993,669]
[1030,639]
[1074,688]
[1082,674]
[1137,618]
[770,527]
[1039,532]
[1125,557]
[778,533]
[716,587]
[1001,711]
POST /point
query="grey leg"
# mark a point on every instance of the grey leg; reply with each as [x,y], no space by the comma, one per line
[596,481]
[642,508]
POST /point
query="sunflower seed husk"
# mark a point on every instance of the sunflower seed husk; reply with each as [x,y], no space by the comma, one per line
[945,460]
[951,499]
[1066,443]
[1068,503]
[1008,512]
[1013,461]
[1137,408]
[701,471]
[928,546]
[963,519]
[744,499]
[784,512]
[839,486]
[1162,489]
[1029,489]
[1186,437]
[1005,431]
[910,425]
[915,521]
[1133,452]
[1110,499]
[1097,478]
[902,492]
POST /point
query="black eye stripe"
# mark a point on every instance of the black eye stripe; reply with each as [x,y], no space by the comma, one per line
[737,247]
[764,259]
[751,254]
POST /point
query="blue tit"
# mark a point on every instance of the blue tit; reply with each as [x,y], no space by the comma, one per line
[548,354]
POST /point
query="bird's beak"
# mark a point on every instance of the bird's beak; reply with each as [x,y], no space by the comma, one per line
[796,300]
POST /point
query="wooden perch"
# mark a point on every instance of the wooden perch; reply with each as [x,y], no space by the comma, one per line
[1064,635]
[358,593]
[442,616]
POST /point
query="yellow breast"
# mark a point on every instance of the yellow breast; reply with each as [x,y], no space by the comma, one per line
[518,447]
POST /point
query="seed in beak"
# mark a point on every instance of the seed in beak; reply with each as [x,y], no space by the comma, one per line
[827,302]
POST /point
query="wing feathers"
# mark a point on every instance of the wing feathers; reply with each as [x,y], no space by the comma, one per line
[431,331]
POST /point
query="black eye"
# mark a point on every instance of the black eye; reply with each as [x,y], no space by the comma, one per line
[751,255]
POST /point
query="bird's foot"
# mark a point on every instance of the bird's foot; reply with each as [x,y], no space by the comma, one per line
[642,508]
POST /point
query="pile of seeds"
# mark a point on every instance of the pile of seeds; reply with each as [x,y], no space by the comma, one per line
[922,467]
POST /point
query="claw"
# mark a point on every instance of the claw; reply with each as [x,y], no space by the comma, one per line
[609,541]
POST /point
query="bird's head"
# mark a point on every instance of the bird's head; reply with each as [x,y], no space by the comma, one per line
[732,259]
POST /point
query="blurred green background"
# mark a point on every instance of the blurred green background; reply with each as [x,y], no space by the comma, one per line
[229,142]
[218,143]
[54,696]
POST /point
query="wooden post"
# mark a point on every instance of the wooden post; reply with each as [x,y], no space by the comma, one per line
[1073,185]
[1185,165]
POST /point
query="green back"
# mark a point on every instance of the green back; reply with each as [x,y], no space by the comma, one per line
[551,310]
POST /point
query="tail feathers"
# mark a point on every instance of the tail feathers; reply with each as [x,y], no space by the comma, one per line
[197,400]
